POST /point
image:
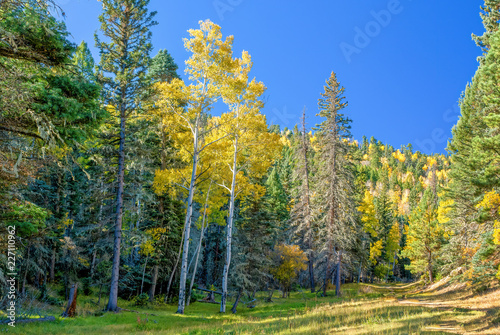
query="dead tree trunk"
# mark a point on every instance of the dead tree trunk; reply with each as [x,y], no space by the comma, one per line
[71,307]
[235,305]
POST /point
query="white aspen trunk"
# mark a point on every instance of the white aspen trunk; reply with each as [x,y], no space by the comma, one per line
[187,227]
[229,232]
[174,269]
[193,276]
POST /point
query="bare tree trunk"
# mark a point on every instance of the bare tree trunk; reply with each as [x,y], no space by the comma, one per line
[154,280]
[359,272]
[429,267]
[187,228]
[172,275]
[311,274]
[307,242]
[230,218]
[338,275]
[53,265]
[327,270]
[193,277]
[92,266]
[71,307]
[235,305]
[115,270]
[270,297]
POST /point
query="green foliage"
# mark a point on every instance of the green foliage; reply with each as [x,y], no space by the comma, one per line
[28,218]
[141,300]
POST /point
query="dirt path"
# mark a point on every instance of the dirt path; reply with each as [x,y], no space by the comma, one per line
[464,310]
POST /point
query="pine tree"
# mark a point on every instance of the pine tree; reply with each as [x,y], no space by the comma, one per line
[424,236]
[301,214]
[335,206]
[125,57]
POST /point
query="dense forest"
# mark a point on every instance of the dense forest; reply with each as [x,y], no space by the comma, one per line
[125,182]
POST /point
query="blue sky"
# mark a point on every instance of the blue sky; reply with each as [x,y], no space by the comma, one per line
[403,63]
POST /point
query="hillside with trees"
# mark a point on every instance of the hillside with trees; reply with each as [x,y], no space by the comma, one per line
[126,189]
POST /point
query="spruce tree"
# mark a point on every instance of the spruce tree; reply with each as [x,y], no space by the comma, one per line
[125,57]
[301,214]
[335,205]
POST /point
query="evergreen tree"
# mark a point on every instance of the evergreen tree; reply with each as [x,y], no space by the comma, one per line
[301,213]
[335,205]
[125,57]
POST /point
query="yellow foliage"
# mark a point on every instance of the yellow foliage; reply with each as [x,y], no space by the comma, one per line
[399,156]
[375,251]
[491,201]
[291,259]
[285,141]
[392,245]
[147,248]
[367,208]
[414,157]
[496,233]
[443,210]
[431,161]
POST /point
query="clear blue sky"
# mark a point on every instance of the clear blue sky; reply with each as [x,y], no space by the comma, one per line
[403,68]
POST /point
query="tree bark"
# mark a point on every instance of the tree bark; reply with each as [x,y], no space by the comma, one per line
[235,305]
[92,266]
[325,284]
[193,277]
[338,275]
[71,307]
[187,227]
[53,265]
[154,280]
[311,274]
[230,218]
[429,267]
[307,241]
[174,269]
[359,272]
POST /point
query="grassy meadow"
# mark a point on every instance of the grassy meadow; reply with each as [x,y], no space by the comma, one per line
[362,309]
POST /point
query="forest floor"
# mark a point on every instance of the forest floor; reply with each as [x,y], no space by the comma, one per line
[442,308]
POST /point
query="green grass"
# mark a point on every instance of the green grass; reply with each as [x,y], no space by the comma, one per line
[362,309]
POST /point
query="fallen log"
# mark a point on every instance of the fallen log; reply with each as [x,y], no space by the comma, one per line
[209,302]
[211,291]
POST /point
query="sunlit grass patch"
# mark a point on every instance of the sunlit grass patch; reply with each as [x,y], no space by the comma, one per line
[362,309]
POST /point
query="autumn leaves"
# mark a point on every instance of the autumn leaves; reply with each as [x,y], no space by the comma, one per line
[228,151]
